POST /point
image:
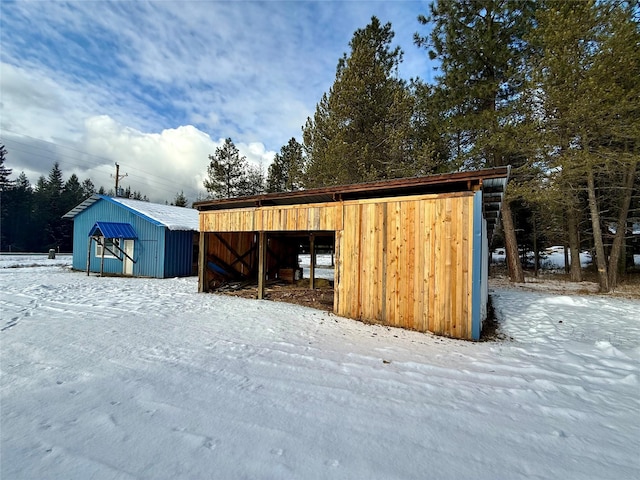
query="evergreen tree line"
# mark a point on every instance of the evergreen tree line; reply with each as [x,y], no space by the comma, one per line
[549,87]
[31,215]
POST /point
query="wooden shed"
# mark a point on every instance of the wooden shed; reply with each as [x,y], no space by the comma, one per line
[121,236]
[409,253]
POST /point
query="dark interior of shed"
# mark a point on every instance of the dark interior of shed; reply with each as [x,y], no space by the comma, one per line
[232,266]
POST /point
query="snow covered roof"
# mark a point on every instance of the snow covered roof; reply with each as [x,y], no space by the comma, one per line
[174,218]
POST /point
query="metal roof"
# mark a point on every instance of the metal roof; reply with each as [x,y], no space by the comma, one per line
[82,206]
[169,216]
[491,181]
[114,230]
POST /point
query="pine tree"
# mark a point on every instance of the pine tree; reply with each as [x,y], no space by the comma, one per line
[17,227]
[55,182]
[180,200]
[361,130]
[39,241]
[138,196]
[54,228]
[586,73]
[88,188]
[252,182]
[5,173]
[72,192]
[72,195]
[226,174]
[5,186]
[429,123]
[286,172]
[481,48]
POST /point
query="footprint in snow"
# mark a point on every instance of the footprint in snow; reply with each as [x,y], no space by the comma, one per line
[11,323]
[210,443]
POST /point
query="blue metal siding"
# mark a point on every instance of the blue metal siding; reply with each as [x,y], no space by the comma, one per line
[149,247]
[484,272]
[477,274]
[178,258]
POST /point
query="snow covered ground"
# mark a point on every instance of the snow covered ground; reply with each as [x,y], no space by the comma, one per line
[552,259]
[125,378]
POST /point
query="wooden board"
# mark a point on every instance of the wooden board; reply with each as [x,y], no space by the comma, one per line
[289,218]
[407,263]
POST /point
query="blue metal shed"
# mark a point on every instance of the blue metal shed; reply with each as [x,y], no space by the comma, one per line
[121,236]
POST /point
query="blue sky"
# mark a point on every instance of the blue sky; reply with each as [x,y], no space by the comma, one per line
[156,85]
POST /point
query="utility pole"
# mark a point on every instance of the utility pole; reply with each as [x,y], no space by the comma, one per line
[118,177]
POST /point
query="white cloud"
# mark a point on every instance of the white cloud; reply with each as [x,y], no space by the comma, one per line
[163,164]
[30,98]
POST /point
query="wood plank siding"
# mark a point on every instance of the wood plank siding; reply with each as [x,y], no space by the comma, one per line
[293,218]
[408,263]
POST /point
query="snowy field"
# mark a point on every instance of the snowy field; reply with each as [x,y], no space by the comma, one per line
[551,259]
[124,378]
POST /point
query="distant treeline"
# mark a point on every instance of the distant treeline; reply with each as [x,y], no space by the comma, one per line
[31,216]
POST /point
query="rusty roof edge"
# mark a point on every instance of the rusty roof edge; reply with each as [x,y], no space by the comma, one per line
[336,192]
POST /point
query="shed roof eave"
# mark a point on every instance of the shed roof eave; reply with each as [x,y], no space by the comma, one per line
[458,181]
[82,206]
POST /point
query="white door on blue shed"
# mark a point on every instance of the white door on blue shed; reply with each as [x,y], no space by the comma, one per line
[127,263]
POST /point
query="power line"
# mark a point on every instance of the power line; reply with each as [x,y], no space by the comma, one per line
[118,177]
[66,161]
[156,181]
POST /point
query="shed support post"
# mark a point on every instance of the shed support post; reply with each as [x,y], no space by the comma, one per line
[203,285]
[312,261]
[104,245]
[89,255]
[262,260]
[336,271]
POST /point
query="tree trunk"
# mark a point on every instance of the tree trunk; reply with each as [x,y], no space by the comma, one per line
[575,271]
[516,274]
[601,263]
[621,225]
[536,253]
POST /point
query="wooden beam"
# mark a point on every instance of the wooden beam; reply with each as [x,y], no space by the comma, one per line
[225,269]
[336,275]
[262,260]
[202,263]
[89,255]
[103,243]
[312,261]
[239,258]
